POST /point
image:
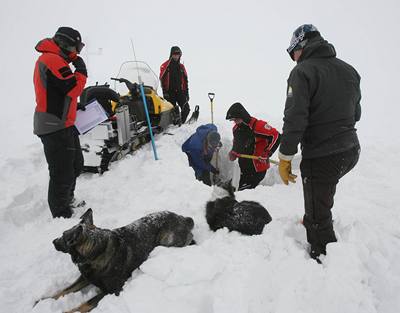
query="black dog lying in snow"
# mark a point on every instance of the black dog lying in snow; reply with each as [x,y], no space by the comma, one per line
[107,258]
[246,217]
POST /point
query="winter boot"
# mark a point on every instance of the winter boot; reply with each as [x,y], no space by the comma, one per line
[319,235]
[75,203]
[315,254]
[61,212]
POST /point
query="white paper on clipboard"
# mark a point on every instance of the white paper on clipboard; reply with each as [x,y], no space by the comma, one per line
[91,117]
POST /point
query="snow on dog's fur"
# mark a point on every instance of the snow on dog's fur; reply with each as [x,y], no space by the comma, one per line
[106,258]
[246,217]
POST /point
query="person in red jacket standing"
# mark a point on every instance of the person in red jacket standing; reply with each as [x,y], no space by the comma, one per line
[251,137]
[174,82]
[57,88]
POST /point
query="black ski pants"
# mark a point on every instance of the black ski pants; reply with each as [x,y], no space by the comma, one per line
[179,98]
[320,177]
[205,178]
[65,160]
[250,180]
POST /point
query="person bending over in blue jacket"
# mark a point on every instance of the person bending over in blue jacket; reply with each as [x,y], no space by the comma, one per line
[200,148]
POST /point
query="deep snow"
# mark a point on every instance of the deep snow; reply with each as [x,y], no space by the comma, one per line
[224,272]
[236,50]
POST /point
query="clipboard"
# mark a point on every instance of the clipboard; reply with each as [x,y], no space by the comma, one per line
[90,118]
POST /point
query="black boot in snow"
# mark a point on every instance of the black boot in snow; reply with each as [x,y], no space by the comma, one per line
[61,212]
[77,203]
[314,254]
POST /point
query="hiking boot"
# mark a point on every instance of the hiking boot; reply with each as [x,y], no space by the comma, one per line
[75,203]
[315,255]
[65,213]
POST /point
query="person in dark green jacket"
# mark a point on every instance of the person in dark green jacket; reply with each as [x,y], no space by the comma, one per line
[322,107]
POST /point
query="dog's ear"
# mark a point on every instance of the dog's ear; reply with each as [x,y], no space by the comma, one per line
[87,217]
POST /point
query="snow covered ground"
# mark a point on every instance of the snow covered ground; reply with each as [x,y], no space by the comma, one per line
[238,53]
[224,272]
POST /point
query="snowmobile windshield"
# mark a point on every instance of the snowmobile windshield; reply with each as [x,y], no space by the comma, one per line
[136,71]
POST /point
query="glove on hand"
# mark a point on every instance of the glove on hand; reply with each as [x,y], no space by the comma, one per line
[285,171]
[80,66]
[232,155]
[81,107]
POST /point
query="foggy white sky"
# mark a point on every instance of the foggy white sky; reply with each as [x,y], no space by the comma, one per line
[233,48]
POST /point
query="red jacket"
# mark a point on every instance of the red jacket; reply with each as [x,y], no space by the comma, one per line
[56,88]
[164,76]
[255,138]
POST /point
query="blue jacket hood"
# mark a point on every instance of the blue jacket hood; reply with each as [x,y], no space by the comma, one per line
[194,148]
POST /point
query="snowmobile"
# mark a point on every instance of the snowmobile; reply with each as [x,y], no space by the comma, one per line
[126,129]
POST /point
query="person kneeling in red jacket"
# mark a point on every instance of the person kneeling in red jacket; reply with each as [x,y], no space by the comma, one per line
[251,137]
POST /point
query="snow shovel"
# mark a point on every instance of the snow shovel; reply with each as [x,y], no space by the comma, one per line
[211,96]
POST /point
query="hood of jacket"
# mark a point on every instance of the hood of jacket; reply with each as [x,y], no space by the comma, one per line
[317,47]
[196,141]
[203,130]
[175,49]
[238,111]
[48,45]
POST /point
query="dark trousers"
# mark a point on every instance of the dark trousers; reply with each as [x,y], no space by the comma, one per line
[179,98]
[205,178]
[64,157]
[320,177]
[250,180]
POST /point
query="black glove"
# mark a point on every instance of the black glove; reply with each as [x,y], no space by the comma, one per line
[81,107]
[166,95]
[80,66]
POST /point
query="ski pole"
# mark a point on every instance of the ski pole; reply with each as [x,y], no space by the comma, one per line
[141,86]
[211,96]
[254,157]
[153,144]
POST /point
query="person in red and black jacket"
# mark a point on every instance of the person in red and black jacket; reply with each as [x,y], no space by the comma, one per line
[57,89]
[174,82]
[251,137]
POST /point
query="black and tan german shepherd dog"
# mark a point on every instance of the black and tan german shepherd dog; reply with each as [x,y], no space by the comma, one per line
[107,258]
[246,217]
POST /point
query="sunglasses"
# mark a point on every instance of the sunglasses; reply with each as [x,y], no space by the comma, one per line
[79,47]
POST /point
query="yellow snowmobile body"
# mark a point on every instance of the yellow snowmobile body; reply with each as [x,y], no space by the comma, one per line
[127,128]
[161,111]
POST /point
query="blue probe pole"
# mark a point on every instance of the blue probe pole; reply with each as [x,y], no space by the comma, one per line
[153,144]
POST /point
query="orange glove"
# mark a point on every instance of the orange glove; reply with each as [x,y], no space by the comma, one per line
[285,171]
